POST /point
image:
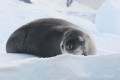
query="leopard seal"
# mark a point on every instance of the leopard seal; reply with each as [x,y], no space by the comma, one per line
[49,37]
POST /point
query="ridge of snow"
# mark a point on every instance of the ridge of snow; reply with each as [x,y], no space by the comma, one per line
[104,67]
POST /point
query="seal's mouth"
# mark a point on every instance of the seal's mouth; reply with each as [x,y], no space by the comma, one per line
[75,52]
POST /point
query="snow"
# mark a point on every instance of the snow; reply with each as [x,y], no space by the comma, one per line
[109,22]
[103,66]
[63,67]
[60,5]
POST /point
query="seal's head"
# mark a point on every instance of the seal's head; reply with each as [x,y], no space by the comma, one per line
[74,42]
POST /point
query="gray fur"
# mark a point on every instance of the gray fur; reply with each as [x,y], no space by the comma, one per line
[47,38]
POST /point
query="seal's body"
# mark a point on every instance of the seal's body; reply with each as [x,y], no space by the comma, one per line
[49,37]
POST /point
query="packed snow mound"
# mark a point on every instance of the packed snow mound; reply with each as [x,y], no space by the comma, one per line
[59,5]
[63,67]
[108,17]
[6,58]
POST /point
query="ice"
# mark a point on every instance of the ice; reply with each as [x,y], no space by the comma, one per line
[94,4]
[108,17]
[63,67]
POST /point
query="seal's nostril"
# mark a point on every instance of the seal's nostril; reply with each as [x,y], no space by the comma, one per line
[62,47]
[84,53]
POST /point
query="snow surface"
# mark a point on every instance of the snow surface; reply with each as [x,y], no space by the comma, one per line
[103,66]
[63,67]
